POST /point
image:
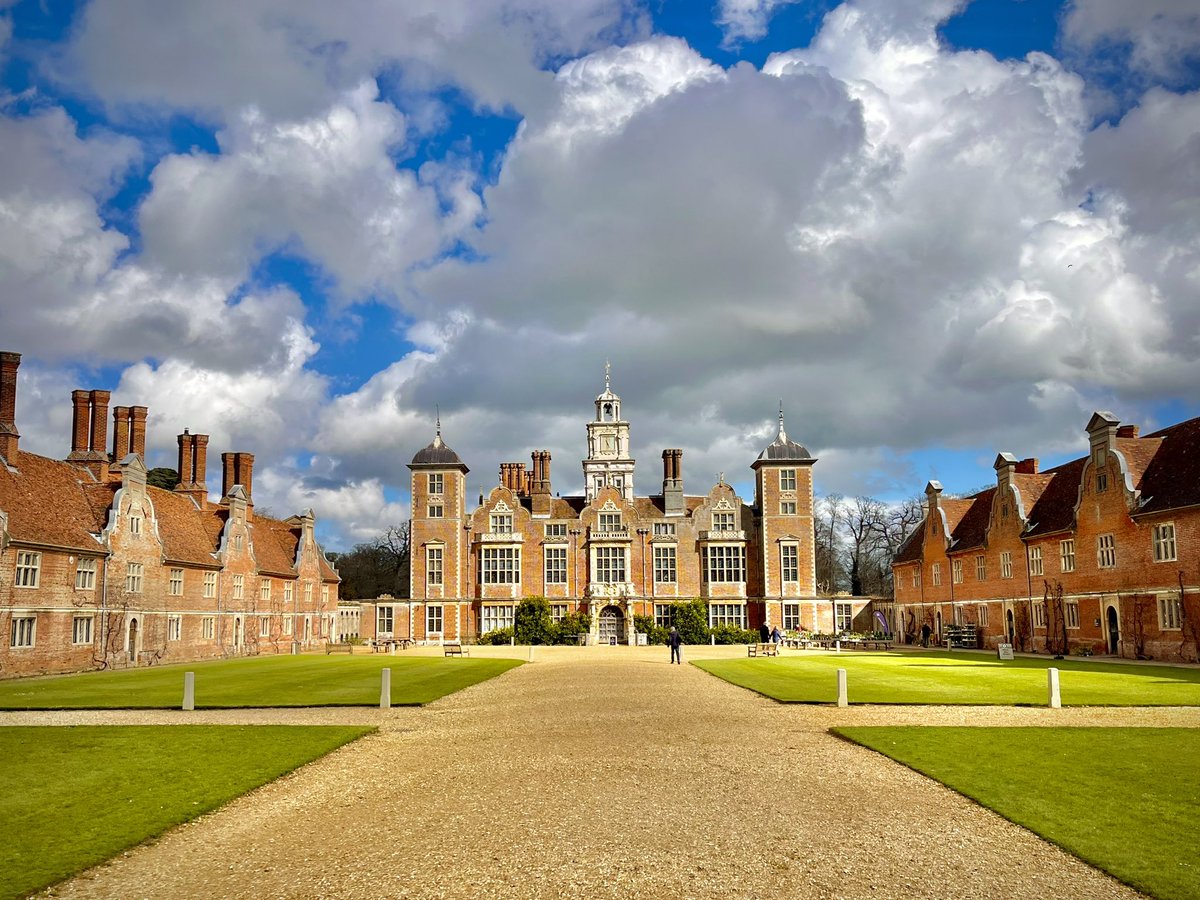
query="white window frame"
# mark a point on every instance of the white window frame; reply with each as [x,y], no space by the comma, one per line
[85,573]
[558,611]
[287,592]
[1071,613]
[434,560]
[956,567]
[609,565]
[385,620]
[1106,551]
[554,558]
[264,590]
[787,479]
[210,585]
[664,529]
[308,593]
[174,628]
[724,521]
[287,626]
[1035,561]
[434,619]
[663,615]
[981,613]
[134,575]
[790,614]
[493,617]
[843,617]
[135,525]
[1066,555]
[789,563]
[500,565]
[208,628]
[980,567]
[556,530]
[1006,564]
[437,483]
[239,586]
[727,614]
[916,577]
[1164,542]
[725,564]
[175,583]
[666,561]
[437,511]
[609,523]
[787,507]
[28,571]
[936,572]
[264,626]
[23,632]
[1169,613]
[82,628]
[500,523]
[1039,615]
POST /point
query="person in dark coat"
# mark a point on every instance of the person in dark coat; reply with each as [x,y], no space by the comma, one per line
[675,641]
[925,632]
[764,632]
[776,635]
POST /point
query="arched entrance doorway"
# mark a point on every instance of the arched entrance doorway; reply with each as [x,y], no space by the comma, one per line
[612,625]
[1011,626]
[238,633]
[1114,631]
[131,644]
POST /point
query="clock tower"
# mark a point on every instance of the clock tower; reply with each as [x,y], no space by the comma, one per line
[608,461]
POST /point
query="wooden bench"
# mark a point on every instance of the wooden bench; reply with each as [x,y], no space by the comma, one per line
[762,649]
[339,648]
[456,650]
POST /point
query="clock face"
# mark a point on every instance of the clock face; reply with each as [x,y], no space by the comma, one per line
[608,443]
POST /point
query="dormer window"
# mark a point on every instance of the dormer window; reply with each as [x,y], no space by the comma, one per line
[722,521]
[237,542]
[135,524]
[1101,482]
[501,523]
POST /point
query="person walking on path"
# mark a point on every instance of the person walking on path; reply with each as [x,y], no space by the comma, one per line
[925,632]
[675,641]
[776,635]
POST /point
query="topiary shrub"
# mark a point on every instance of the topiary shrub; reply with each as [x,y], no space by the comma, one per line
[731,634]
[570,626]
[532,623]
[655,634]
[498,636]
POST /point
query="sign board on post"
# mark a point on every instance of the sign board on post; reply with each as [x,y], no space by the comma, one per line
[1004,651]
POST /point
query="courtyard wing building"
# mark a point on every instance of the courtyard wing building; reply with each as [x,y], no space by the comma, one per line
[1098,555]
[608,552]
[99,569]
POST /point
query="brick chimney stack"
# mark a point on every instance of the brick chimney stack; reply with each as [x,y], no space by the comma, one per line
[120,433]
[200,462]
[81,427]
[238,469]
[193,448]
[673,502]
[540,483]
[99,401]
[186,456]
[8,404]
[137,431]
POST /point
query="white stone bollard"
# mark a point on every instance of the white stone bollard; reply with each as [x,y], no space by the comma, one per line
[712,639]
[531,652]
[512,641]
[385,690]
[1055,695]
[189,690]
[843,698]
[837,646]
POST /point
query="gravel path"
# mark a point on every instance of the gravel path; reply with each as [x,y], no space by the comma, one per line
[604,774]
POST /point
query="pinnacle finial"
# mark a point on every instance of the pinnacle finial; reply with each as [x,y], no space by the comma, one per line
[437,440]
[782,434]
[607,372]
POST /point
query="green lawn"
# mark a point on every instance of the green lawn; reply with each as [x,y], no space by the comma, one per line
[257,681]
[1126,800]
[957,678]
[77,796]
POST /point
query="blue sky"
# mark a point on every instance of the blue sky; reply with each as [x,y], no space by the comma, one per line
[935,229]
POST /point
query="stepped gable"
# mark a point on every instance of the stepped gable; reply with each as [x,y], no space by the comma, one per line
[1171,478]
[1055,508]
[181,528]
[972,527]
[31,484]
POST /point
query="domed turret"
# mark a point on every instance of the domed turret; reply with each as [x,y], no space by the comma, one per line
[438,454]
[783,449]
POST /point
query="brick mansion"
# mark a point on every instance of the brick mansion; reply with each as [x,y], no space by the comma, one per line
[608,552]
[99,569]
[1100,554]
